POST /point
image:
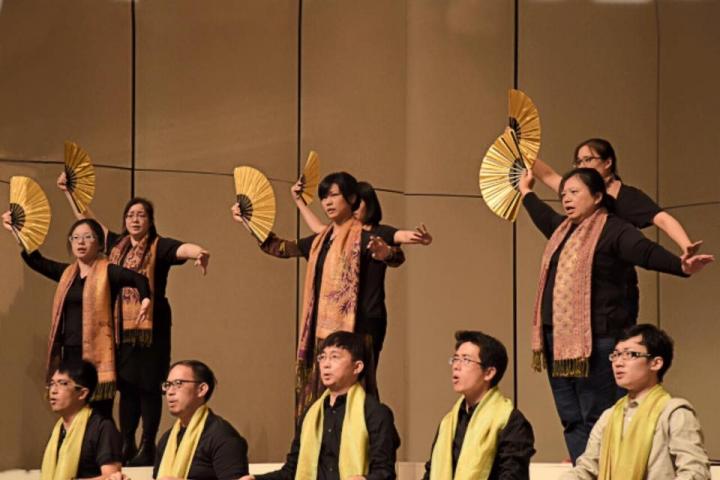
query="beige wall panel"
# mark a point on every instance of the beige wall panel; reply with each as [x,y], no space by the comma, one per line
[689,103]
[217,85]
[591,69]
[463,281]
[240,318]
[66,76]
[689,311]
[353,88]
[25,304]
[459,67]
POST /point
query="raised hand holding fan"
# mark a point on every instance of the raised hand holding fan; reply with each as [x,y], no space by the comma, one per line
[29,212]
[256,199]
[80,176]
[524,119]
[310,177]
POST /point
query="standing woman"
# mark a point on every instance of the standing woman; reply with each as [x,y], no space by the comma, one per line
[581,302]
[82,314]
[336,280]
[144,352]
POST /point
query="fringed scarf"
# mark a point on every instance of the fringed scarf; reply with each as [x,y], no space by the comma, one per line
[336,305]
[98,345]
[63,464]
[177,459]
[572,328]
[477,454]
[140,259]
[624,454]
[353,458]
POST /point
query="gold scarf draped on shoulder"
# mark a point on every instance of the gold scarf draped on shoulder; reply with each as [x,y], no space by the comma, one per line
[63,464]
[176,459]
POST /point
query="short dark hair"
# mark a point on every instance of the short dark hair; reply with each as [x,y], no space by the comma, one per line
[373,211]
[149,210]
[592,179]
[201,373]
[347,184]
[656,340]
[83,373]
[96,229]
[492,351]
[603,148]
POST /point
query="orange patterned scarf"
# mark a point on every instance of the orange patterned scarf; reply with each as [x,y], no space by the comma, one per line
[336,305]
[572,328]
[97,325]
[142,261]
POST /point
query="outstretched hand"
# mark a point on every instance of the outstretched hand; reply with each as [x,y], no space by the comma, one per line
[691,250]
[379,249]
[421,235]
[693,264]
[202,261]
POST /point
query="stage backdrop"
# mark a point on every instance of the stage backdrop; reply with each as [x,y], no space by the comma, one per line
[169,96]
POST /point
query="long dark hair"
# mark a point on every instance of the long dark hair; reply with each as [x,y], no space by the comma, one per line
[373,212]
[594,182]
[149,211]
[604,150]
[96,229]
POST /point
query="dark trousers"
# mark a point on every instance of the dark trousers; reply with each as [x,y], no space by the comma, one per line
[581,401]
[136,403]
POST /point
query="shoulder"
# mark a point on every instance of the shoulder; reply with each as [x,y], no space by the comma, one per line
[678,407]
[377,409]
[221,429]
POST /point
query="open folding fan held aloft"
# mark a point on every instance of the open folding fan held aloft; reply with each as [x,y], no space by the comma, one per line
[256,198]
[524,119]
[80,176]
[310,177]
[500,173]
[29,212]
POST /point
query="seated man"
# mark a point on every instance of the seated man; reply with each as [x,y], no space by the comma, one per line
[483,436]
[345,433]
[84,443]
[647,434]
[200,445]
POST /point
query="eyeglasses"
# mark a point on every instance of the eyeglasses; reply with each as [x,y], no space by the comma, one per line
[139,216]
[464,361]
[332,358]
[88,237]
[165,386]
[579,161]
[627,355]
[62,384]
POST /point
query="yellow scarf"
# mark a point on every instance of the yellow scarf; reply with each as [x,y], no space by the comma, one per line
[354,440]
[176,459]
[63,464]
[624,455]
[477,454]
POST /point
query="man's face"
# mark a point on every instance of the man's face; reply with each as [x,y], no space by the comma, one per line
[183,393]
[338,371]
[468,374]
[64,395]
[633,369]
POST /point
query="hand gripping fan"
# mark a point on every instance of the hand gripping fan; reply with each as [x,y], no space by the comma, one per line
[310,177]
[500,173]
[29,212]
[257,201]
[80,176]
[524,119]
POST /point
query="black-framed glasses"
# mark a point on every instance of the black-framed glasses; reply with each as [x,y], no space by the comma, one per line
[464,361]
[627,355]
[579,161]
[165,386]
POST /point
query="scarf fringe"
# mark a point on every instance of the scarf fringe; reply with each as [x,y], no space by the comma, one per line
[571,367]
[142,337]
[104,391]
[538,362]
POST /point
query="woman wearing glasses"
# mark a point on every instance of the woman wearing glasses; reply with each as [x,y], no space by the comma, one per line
[581,302]
[82,314]
[144,347]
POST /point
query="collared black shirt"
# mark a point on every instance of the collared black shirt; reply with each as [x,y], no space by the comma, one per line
[221,452]
[515,446]
[383,438]
[101,445]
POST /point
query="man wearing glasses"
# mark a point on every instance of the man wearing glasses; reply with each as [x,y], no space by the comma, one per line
[483,436]
[345,434]
[647,434]
[83,444]
[200,445]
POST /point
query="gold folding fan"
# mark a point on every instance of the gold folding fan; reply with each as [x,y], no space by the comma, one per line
[29,211]
[257,201]
[80,176]
[524,119]
[500,173]
[310,177]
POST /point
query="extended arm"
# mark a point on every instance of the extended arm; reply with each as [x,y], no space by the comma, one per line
[190,251]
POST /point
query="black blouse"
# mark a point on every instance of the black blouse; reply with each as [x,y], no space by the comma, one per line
[634,206]
[70,328]
[619,247]
[101,445]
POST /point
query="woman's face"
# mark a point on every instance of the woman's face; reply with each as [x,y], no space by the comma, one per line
[589,158]
[577,200]
[336,207]
[137,222]
[84,243]
[361,212]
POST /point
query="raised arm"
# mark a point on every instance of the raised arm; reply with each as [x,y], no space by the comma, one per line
[190,251]
[420,236]
[546,175]
[62,185]
[308,216]
[543,216]
[274,245]
[670,225]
